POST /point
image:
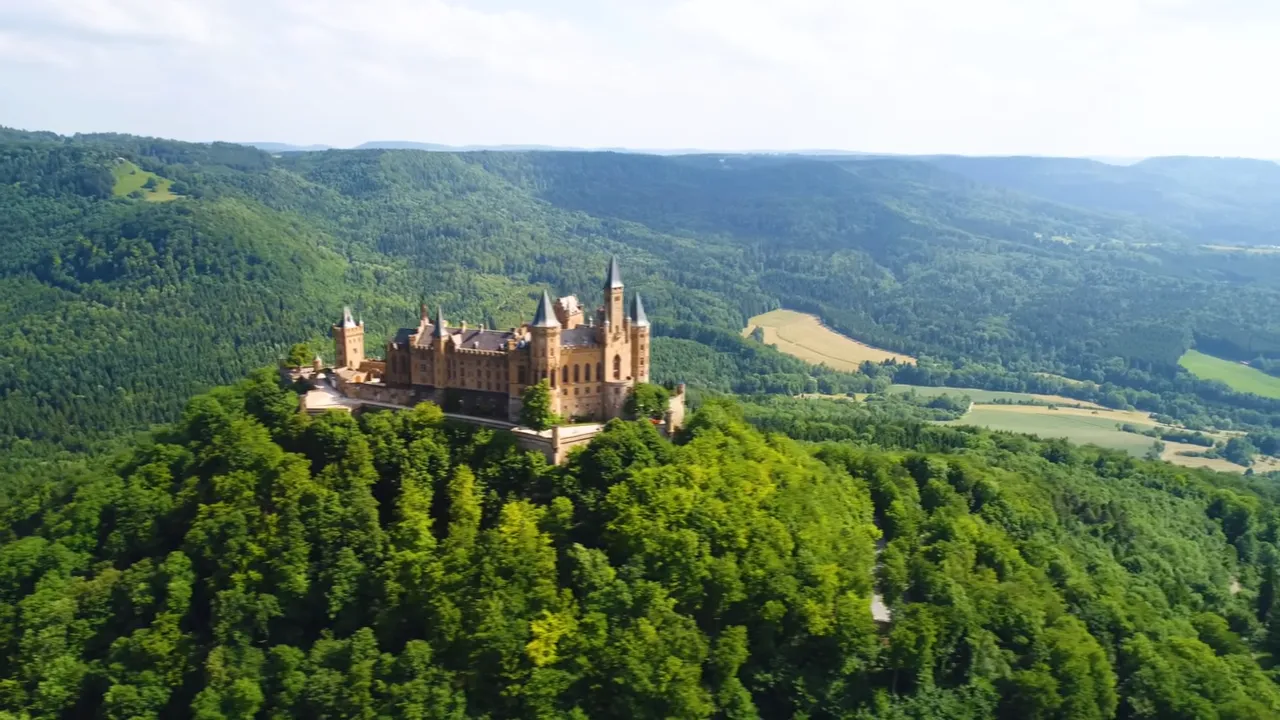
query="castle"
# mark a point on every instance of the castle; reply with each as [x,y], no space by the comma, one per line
[590,361]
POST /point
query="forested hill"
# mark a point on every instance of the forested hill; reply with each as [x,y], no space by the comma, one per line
[135,271]
[1210,200]
[252,562]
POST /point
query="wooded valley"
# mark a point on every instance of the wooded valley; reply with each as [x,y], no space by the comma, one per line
[177,540]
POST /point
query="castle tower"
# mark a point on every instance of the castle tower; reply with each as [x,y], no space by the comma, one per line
[616,357]
[348,341]
[639,340]
[613,294]
[545,349]
[439,339]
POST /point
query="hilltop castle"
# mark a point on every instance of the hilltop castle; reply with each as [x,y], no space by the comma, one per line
[590,361]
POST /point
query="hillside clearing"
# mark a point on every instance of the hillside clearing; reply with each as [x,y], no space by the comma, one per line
[1098,427]
[1077,426]
[804,336]
[992,396]
[1237,376]
[131,178]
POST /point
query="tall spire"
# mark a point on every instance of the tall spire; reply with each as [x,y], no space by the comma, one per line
[614,279]
[546,315]
[422,313]
[347,320]
[439,328]
[638,318]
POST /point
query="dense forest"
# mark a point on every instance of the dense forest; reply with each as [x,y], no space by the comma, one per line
[229,557]
[115,307]
[250,561]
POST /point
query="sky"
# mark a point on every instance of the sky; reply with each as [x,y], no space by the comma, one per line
[1121,78]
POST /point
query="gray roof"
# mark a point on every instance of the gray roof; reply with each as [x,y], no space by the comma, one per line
[581,336]
[546,315]
[482,339]
[638,318]
[403,335]
[440,324]
[614,279]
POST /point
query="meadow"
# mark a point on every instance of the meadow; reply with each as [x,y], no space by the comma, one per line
[130,178]
[1237,376]
[1099,427]
[804,336]
[991,396]
[1080,426]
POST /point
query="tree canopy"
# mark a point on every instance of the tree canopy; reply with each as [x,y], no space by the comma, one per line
[253,562]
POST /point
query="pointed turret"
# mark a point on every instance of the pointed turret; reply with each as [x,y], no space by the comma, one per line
[638,318]
[546,314]
[422,313]
[614,278]
[438,331]
[348,341]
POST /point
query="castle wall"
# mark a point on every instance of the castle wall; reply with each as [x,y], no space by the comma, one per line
[580,386]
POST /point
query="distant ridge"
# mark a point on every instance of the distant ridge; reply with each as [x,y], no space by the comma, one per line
[275,147]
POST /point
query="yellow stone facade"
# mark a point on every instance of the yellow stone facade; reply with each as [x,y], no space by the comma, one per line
[590,360]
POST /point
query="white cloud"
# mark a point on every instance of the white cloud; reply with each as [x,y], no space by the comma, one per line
[1085,77]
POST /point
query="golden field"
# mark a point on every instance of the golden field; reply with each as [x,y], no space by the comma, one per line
[804,336]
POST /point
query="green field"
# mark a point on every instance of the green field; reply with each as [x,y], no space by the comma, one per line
[987,396]
[1237,376]
[130,177]
[1047,423]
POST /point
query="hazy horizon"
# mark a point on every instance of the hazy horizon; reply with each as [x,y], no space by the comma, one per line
[1119,79]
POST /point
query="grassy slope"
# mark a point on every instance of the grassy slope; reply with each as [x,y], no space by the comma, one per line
[990,396]
[1099,430]
[130,177]
[1237,376]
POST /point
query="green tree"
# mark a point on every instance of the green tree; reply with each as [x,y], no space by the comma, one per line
[647,400]
[535,408]
[1239,451]
[300,355]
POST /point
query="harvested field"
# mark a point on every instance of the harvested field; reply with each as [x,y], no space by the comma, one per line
[804,336]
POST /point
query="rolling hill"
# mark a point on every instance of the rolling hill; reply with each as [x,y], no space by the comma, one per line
[115,309]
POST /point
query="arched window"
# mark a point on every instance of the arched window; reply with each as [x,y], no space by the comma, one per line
[564,374]
[587,371]
[617,367]
[576,370]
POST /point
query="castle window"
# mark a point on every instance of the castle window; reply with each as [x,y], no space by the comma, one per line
[617,367]
[576,368]
[587,371]
[564,374]
[599,371]
[521,376]
[575,391]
